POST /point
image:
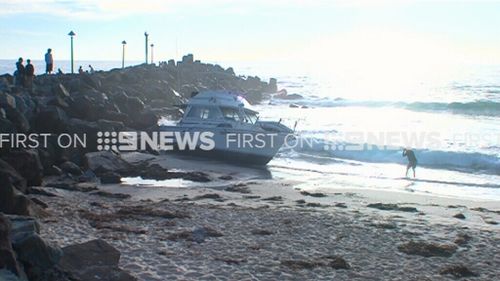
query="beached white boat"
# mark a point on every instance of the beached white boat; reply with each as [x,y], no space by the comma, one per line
[237,133]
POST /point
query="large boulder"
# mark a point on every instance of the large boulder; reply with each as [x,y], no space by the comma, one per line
[12,176]
[94,260]
[103,162]
[11,200]
[27,164]
[7,255]
[51,119]
[35,253]
[37,256]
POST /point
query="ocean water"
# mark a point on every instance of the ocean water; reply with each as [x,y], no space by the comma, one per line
[355,126]
[352,126]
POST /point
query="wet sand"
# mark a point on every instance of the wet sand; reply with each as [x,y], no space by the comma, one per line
[242,226]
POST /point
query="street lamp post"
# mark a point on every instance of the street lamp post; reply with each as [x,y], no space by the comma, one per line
[152,46]
[146,35]
[71,34]
[123,53]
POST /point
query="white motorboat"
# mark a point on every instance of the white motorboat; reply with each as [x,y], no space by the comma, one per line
[233,129]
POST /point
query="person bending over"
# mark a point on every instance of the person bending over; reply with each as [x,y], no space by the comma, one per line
[412,160]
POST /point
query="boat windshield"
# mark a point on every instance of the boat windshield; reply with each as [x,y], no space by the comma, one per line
[250,117]
[203,112]
[231,113]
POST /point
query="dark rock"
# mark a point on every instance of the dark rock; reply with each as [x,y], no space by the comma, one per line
[427,249]
[261,232]
[198,235]
[110,178]
[300,201]
[41,191]
[457,271]
[334,262]
[150,212]
[39,202]
[95,260]
[61,91]
[462,239]
[53,171]
[214,196]
[313,194]
[106,161]
[392,207]
[33,251]
[459,216]
[27,164]
[273,198]
[7,275]
[51,119]
[230,260]
[110,126]
[7,255]
[240,188]
[315,205]
[340,205]
[12,176]
[111,195]
[11,200]
[225,177]
[71,168]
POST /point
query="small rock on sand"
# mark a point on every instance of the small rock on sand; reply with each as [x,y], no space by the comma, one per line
[462,239]
[458,271]
[334,262]
[313,194]
[262,232]
[459,216]
[427,249]
[392,207]
[273,198]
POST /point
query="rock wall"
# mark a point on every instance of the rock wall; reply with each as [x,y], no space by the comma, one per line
[133,98]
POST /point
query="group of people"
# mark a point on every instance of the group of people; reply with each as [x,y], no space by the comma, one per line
[24,75]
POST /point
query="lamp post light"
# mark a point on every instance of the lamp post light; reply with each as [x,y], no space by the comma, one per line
[152,46]
[71,34]
[146,35]
[123,53]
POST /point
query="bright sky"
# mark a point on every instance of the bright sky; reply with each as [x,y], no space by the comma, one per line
[358,33]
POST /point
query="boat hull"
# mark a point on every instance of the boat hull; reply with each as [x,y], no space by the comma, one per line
[242,147]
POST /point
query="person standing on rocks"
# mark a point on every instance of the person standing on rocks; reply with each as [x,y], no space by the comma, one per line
[30,75]
[49,62]
[20,72]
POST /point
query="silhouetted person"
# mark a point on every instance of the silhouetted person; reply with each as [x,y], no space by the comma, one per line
[80,70]
[91,69]
[30,75]
[412,160]
[59,71]
[49,62]
[20,72]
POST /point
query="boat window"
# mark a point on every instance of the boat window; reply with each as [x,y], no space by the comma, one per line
[231,113]
[201,112]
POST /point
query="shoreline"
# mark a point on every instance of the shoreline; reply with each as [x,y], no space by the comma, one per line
[248,229]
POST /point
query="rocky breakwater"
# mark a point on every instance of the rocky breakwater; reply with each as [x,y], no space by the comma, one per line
[31,155]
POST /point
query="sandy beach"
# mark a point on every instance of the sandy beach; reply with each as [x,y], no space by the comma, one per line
[240,227]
